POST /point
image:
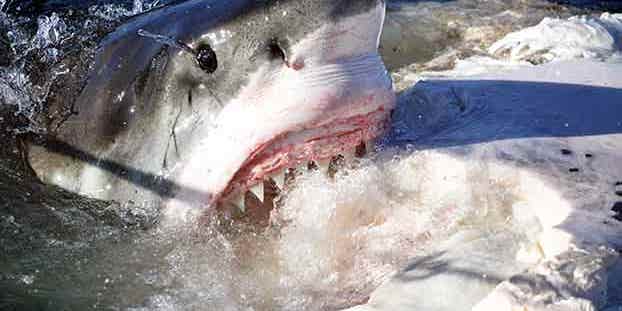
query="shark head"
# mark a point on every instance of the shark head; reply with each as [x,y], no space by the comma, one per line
[218,96]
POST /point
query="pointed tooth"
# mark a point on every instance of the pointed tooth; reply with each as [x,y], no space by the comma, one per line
[257,213]
[278,179]
[257,190]
[251,201]
[234,207]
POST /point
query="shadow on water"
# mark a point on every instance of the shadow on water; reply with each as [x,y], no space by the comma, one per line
[613,6]
[432,265]
[518,110]
[437,114]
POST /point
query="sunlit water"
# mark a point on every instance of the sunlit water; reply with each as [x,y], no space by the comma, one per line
[328,246]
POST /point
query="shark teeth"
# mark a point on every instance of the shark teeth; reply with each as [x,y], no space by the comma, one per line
[258,191]
[278,179]
[255,204]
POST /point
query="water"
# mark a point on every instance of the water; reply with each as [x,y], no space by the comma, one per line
[330,244]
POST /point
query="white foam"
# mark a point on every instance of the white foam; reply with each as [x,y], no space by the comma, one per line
[553,39]
[334,241]
[563,39]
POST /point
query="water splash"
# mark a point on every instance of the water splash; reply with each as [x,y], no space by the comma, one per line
[51,31]
[42,55]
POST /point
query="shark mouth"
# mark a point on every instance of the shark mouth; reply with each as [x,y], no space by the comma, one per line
[271,167]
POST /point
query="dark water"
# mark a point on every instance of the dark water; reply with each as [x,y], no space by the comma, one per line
[38,7]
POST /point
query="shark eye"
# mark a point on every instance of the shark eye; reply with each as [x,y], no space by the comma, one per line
[206,58]
[276,52]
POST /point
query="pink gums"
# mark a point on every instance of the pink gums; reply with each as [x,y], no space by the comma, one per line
[311,144]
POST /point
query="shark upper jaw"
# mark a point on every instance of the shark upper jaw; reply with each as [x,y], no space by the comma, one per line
[318,144]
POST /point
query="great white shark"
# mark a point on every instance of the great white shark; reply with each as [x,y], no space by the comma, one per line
[195,103]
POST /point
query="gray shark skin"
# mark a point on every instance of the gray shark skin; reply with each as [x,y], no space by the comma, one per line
[284,83]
